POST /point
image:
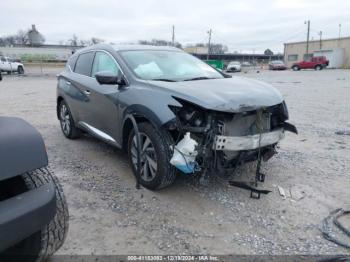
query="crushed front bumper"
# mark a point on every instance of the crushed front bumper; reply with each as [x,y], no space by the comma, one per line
[239,143]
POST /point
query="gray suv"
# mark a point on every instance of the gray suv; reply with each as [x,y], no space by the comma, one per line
[105,90]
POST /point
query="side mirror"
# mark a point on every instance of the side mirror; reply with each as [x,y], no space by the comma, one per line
[106,78]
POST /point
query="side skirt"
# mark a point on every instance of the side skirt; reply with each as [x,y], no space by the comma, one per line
[99,134]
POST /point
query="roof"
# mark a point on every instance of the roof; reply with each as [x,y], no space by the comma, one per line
[144,47]
[316,41]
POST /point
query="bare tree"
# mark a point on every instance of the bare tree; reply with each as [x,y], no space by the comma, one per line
[73,41]
[22,37]
[159,42]
[214,48]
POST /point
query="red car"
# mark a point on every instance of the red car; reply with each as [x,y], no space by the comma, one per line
[277,65]
[317,63]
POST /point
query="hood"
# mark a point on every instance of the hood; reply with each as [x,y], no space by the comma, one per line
[236,94]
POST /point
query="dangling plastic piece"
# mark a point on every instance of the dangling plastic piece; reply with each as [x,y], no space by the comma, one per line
[185,154]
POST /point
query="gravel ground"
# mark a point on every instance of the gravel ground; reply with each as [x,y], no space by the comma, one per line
[109,216]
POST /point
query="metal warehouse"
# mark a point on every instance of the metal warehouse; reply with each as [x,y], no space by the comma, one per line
[337,51]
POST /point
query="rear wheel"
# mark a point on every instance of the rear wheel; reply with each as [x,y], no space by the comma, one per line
[295,68]
[20,70]
[156,170]
[318,67]
[42,244]
[66,121]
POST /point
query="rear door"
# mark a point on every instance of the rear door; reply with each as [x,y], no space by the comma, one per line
[79,82]
[104,98]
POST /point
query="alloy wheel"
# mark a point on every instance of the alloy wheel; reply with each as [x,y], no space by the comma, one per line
[148,157]
[65,119]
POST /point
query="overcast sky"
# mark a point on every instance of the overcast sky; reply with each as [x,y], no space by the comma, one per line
[242,25]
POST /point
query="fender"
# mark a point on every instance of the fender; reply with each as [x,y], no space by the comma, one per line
[22,148]
[157,120]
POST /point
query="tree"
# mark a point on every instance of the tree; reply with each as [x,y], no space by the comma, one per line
[268,52]
[73,41]
[21,38]
[159,42]
[96,40]
[214,48]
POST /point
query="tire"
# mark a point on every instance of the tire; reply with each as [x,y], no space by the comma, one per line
[295,68]
[68,126]
[318,67]
[164,174]
[42,244]
[20,70]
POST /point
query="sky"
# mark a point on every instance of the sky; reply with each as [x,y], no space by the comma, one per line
[242,25]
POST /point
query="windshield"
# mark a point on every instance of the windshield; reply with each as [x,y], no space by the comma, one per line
[168,66]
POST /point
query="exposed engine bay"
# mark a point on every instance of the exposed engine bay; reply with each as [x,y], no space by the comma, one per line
[225,140]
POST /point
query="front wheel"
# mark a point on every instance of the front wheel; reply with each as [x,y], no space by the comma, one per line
[156,170]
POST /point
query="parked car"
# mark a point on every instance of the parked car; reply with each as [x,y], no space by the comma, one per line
[172,96]
[10,65]
[246,64]
[234,66]
[277,65]
[317,63]
[33,209]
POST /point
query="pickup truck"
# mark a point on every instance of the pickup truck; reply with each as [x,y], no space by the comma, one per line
[9,65]
[317,63]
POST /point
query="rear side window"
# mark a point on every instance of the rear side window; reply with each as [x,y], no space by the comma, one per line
[84,64]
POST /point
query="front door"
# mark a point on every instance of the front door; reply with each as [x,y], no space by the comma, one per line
[104,98]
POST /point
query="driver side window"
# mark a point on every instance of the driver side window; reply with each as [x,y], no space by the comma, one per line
[104,62]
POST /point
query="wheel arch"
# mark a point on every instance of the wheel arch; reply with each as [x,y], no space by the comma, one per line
[59,100]
[141,114]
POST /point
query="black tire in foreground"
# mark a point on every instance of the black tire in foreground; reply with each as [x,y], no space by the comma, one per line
[20,70]
[42,244]
[68,126]
[156,170]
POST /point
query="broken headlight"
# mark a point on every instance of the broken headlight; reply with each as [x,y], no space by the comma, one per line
[189,114]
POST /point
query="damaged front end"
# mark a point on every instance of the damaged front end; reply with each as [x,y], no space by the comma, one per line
[225,140]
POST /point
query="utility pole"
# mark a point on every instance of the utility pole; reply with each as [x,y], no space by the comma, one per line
[308,35]
[209,32]
[339,35]
[320,33]
[173,36]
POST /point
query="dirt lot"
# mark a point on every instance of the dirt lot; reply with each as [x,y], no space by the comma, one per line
[109,216]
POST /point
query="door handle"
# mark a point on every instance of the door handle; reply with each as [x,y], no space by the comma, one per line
[68,83]
[87,92]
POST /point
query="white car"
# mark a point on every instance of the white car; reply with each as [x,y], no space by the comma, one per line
[9,65]
[234,66]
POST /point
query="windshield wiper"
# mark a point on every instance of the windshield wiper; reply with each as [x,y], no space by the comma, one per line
[163,79]
[199,78]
